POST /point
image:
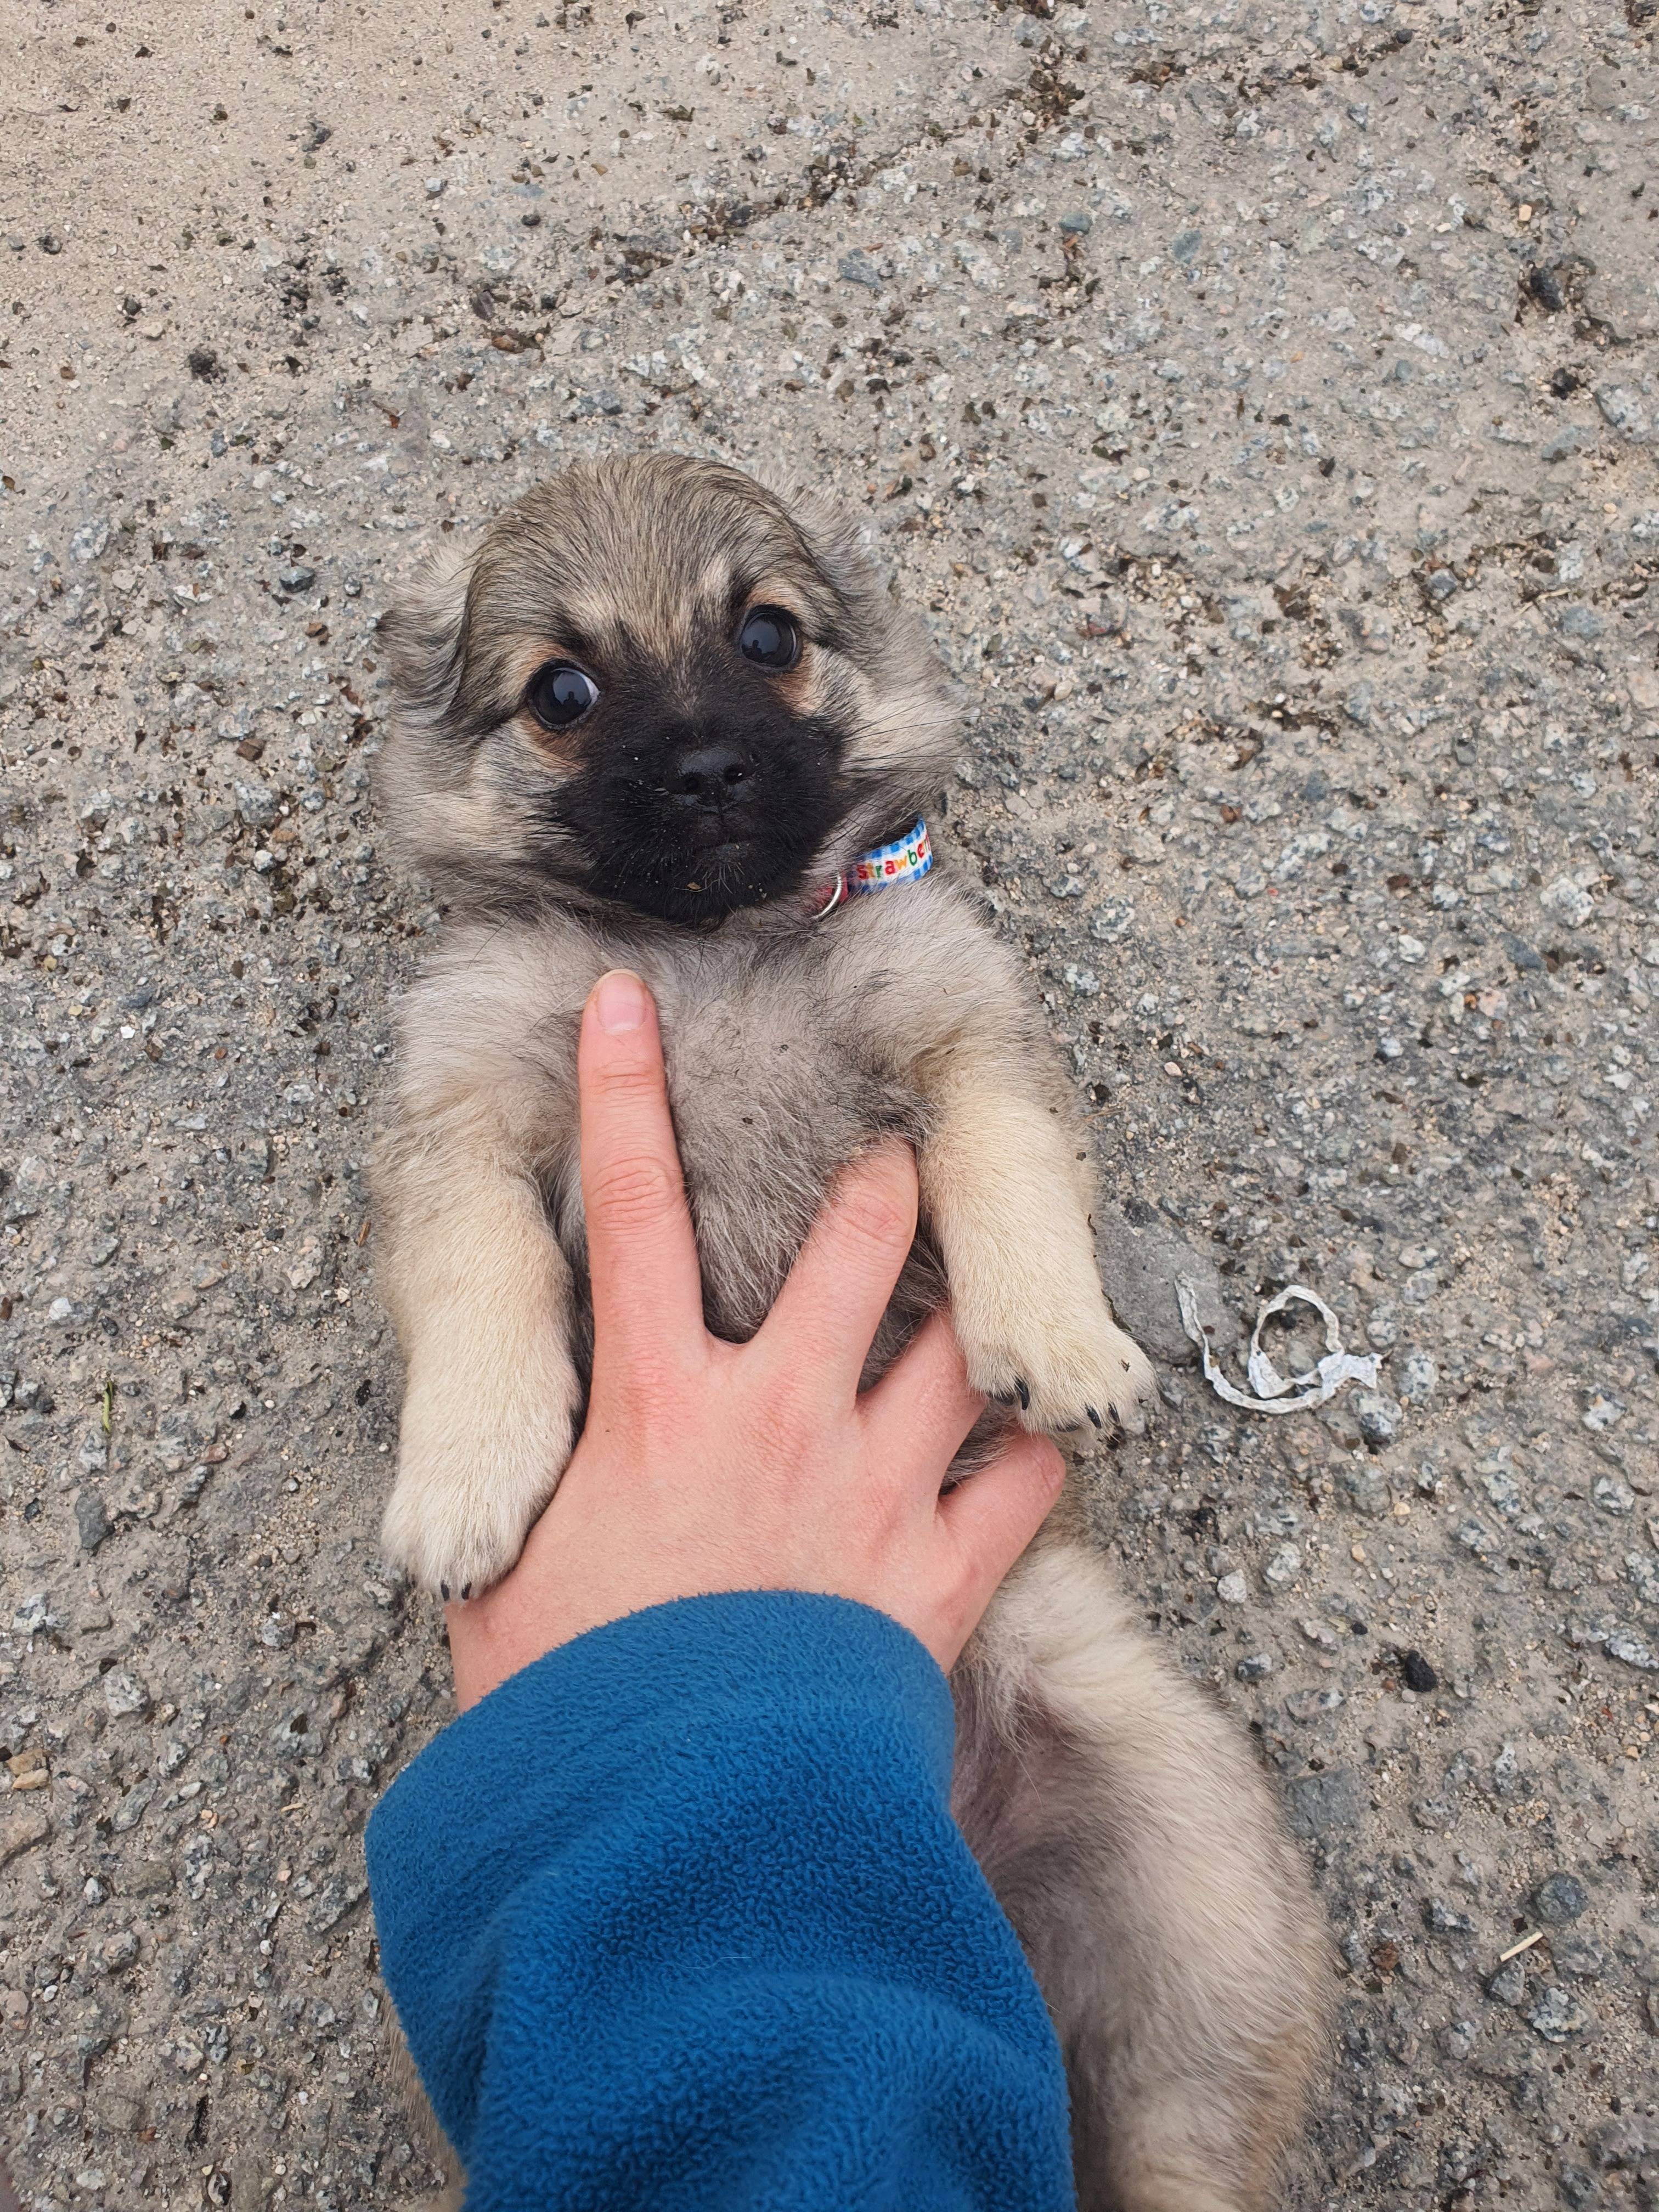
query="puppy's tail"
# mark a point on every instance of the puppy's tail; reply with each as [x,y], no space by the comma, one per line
[1135,1846]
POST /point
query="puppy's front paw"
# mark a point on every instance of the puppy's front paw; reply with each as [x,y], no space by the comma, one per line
[472,1477]
[1051,1348]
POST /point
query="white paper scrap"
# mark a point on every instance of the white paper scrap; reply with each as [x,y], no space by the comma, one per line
[1274,1393]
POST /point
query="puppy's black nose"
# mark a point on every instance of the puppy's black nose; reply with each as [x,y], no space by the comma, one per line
[712,775]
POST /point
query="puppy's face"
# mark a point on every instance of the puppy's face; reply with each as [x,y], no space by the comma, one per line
[656,683]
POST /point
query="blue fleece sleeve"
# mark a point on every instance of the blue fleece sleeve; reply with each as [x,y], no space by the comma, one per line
[677,1917]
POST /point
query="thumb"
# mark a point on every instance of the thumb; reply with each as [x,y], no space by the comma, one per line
[993,1516]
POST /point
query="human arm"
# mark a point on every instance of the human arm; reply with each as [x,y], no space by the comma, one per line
[677,1906]
[677,1917]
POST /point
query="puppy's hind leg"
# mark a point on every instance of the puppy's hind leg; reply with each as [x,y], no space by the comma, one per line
[1135,1846]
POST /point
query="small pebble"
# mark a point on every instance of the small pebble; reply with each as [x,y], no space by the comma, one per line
[1557,2016]
[1558,1899]
[91,1520]
[1508,1985]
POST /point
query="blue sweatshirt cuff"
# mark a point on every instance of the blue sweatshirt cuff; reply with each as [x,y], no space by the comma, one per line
[678,1915]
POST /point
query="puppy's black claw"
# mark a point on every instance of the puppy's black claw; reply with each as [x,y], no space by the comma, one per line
[1024,1394]
[1002,1397]
[443,1592]
[466,1592]
[1094,1417]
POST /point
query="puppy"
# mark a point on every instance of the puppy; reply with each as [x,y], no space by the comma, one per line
[660,717]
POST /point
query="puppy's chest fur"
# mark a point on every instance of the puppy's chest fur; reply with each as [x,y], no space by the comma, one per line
[773,1094]
[788,1055]
[773,1091]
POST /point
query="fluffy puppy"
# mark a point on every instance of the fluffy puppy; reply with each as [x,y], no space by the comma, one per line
[652,719]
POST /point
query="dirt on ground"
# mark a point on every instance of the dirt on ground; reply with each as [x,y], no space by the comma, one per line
[1261,402]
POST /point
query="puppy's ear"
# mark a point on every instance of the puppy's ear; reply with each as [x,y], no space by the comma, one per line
[840,544]
[892,641]
[425,631]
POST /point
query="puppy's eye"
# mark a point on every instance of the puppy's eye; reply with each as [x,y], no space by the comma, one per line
[560,693]
[769,638]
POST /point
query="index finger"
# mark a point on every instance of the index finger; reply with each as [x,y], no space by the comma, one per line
[643,1254]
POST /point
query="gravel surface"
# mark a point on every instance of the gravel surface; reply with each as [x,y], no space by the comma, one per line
[1262,400]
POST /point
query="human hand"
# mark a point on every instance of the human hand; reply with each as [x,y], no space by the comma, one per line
[706,1466]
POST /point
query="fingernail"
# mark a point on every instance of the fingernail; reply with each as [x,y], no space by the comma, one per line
[619,1002]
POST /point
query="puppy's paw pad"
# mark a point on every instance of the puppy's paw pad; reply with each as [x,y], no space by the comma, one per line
[468,1493]
[454,1549]
[1065,1377]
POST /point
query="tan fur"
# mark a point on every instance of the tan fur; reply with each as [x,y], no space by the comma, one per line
[480,1294]
[429,2135]
[1115,1810]
[1186,2002]
[995,1172]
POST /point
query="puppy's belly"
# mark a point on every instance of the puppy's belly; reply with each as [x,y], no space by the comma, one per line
[767,1110]
[761,1151]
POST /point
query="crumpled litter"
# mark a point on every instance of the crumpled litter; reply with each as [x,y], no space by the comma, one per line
[1272,1390]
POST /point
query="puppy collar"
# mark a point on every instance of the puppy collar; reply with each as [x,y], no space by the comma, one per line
[905,861]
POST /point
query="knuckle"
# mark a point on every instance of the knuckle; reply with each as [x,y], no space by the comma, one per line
[886,1503]
[971,1587]
[651,1408]
[873,1216]
[637,1192]
[630,1078]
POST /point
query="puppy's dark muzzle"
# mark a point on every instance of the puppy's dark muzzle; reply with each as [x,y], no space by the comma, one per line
[714,797]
